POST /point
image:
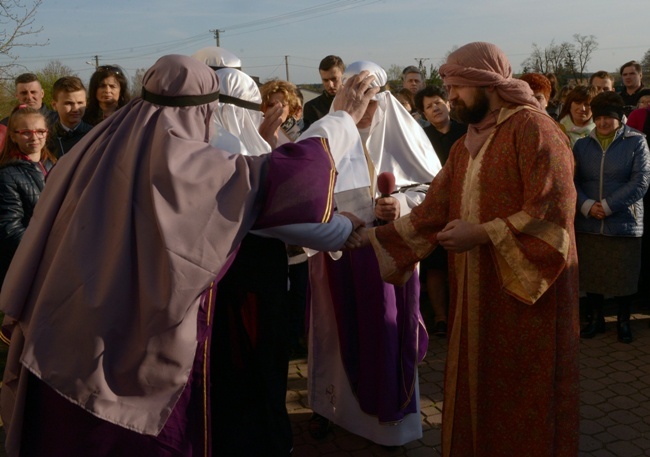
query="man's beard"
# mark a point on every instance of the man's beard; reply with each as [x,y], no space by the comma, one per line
[471,114]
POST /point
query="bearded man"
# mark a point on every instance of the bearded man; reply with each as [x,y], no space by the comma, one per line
[503,206]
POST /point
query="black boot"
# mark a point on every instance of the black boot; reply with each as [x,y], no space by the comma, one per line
[596,323]
[623,321]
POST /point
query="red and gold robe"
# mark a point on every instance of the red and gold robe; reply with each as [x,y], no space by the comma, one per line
[512,374]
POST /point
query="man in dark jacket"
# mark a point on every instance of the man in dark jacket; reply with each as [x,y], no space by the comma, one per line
[331,70]
[632,76]
[69,100]
[30,92]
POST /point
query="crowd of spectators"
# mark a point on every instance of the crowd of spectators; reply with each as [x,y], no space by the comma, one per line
[409,133]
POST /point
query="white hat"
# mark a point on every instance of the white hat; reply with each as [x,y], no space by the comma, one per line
[216,57]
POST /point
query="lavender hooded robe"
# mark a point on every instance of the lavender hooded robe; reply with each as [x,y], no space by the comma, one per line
[133,226]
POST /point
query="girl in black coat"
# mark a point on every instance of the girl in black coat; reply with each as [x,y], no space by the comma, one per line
[24,163]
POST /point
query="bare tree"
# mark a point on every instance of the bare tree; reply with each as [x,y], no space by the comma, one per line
[48,75]
[54,70]
[564,60]
[434,78]
[570,64]
[536,62]
[136,82]
[645,65]
[394,72]
[550,59]
[394,75]
[580,54]
[17,30]
[557,57]
[7,97]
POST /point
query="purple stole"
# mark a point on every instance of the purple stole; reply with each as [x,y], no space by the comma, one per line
[381,334]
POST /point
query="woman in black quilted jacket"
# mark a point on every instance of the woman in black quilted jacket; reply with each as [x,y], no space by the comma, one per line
[24,163]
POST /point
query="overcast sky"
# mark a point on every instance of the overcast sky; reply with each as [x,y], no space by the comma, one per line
[134,33]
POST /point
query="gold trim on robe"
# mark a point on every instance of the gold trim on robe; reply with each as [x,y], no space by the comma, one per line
[519,276]
[330,198]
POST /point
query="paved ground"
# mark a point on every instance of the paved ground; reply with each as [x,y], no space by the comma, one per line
[615,401]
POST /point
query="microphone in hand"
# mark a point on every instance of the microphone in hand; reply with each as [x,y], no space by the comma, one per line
[385,186]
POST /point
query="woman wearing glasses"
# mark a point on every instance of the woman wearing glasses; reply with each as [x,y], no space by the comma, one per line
[108,91]
[24,163]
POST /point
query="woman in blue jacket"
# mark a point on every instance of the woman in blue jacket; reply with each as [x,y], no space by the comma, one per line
[612,176]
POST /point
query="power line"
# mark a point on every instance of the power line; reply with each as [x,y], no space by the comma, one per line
[328,8]
[84,55]
[147,50]
[284,22]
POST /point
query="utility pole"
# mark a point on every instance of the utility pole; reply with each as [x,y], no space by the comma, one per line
[216,35]
[286,66]
[96,62]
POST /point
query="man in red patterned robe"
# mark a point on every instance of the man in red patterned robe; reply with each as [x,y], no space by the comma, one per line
[503,206]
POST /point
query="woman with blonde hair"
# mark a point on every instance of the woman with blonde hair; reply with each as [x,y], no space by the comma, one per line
[288,95]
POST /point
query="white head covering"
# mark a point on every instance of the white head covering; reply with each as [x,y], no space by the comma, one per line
[216,58]
[396,142]
[231,120]
[357,67]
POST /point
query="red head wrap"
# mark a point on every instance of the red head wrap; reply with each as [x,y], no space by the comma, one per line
[482,64]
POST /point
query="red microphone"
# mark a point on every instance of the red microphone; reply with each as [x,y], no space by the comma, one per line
[385,186]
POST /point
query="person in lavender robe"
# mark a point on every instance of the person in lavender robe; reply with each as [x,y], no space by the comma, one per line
[112,289]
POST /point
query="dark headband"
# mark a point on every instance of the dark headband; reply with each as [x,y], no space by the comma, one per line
[239,102]
[216,67]
[179,100]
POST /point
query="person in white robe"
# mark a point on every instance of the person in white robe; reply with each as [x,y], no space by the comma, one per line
[366,337]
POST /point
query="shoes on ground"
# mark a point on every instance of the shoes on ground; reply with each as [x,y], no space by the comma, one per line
[624,332]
